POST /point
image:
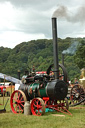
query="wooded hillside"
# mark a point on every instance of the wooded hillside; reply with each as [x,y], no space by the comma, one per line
[38,53]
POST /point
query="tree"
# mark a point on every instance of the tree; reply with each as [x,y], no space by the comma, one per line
[79,57]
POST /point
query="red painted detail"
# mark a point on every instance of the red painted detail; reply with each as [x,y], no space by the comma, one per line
[17,102]
[2,89]
[55,105]
[46,98]
[41,72]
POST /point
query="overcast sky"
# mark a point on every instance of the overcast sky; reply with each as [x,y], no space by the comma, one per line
[25,20]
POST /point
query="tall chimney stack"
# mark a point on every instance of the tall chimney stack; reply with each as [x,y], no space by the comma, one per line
[55,48]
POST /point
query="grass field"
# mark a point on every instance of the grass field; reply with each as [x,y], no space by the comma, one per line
[49,120]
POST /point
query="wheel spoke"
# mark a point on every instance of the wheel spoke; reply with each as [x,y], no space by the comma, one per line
[39,113]
[76,91]
[15,99]
[15,96]
[22,101]
[19,96]
[35,105]
[37,102]
[15,107]
[20,109]
[35,109]
[39,106]
[22,105]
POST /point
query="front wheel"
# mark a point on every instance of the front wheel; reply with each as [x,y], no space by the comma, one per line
[37,107]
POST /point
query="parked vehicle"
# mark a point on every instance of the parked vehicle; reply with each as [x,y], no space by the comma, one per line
[2,90]
[8,87]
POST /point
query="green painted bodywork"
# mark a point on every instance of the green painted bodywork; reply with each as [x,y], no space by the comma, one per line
[41,91]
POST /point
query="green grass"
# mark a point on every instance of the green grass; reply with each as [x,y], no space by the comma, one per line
[49,120]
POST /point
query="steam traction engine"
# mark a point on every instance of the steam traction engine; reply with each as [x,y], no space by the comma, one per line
[43,91]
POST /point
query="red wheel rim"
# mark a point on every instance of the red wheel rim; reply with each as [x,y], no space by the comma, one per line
[17,101]
[37,107]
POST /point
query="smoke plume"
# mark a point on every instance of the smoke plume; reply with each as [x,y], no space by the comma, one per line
[72,49]
[78,16]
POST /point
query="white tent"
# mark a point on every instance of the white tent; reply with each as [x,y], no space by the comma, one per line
[9,78]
